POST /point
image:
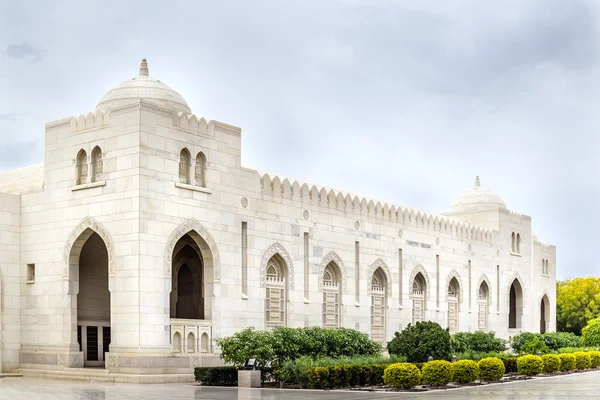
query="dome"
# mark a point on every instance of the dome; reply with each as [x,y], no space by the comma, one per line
[477,199]
[143,87]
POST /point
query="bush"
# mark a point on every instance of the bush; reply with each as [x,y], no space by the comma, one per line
[216,376]
[418,342]
[437,373]
[284,344]
[519,340]
[491,369]
[530,365]
[570,350]
[590,334]
[402,375]
[595,359]
[551,363]
[510,364]
[567,362]
[465,371]
[345,375]
[535,346]
[582,360]
[557,340]
[477,341]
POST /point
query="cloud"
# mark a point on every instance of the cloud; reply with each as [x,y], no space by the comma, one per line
[23,51]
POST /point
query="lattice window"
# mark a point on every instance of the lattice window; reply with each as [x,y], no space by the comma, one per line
[482,312]
[275,301]
[82,167]
[97,164]
[331,298]
[453,306]
[184,166]
[200,170]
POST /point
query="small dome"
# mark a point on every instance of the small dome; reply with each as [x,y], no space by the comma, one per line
[143,87]
[477,199]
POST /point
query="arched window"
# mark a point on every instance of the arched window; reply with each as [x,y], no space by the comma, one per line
[204,343]
[378,304]
[419,288]
[544,267]
[514,241]
[82,167]
[452,299]
[515,305]
[191,343]
[200,170]
[184,166]
[331,297]
[275,302]
[177,343]
[96,164]
[482,315]
[544,314]
[547,268]
[518,243]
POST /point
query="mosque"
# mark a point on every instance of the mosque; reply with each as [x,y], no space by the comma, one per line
[142,238]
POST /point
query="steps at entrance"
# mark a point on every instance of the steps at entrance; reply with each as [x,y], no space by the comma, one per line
[102,375]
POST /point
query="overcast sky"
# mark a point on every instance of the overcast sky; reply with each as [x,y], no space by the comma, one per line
[404,101]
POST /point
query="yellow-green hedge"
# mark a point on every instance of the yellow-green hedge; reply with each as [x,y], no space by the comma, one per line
[582,360]
[402,375]
[437,373]
[567,362]
[551,363]
[491,369]
[530,365]
[465,371]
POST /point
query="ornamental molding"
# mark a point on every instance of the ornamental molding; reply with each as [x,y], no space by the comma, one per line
[282,252]
[453,274]
[193,225]
[329,258]
[79,235]
[379,263]
[416,270]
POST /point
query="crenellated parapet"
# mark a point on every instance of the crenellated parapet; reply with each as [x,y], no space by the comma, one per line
[284,188]
[190,122]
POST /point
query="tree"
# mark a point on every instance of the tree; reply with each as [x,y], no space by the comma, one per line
[419,341]
[577,302]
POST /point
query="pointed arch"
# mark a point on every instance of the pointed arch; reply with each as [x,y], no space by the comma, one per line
[203,240]
[516,296]
[77,238]
[419,269]
[329,258]
[97,164]
[81,170]
[483,278]
[185,161]
[200,169]
[282,252]
[379,263]
[454,275]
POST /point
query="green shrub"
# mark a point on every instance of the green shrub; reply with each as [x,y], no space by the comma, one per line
[551,363]
[345,375]
[420,341]
[519,340]
[491,369]
[530,365]
[557,340]
[402,375]
[437,373]
[535,346]
[478,341]
[510,364]
[216,376]
[595,358]
[570,349]
[590,334]
[465,371]
[283,344]
[582,360]
[567,362]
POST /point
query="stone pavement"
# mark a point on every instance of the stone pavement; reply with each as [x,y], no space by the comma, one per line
[578,386]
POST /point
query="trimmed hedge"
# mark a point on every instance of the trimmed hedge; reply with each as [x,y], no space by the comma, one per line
[530,365]
[465,371]
[402,375]
[510,364]
[491,369]
[345,375]
[582,360]
[551,363]
[437,373]
[567,362]
[595,358]
[420,341]
[216,376]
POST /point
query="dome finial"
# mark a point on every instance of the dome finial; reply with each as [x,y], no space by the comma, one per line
[477,183]
[144,68]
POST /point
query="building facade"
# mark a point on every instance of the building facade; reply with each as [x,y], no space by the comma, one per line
[142,239]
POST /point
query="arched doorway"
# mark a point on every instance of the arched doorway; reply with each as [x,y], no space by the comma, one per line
[378,305]
[419,293]
[482,309]
[544,314]
[515,305]
[187,280]
[331,296]
[452,299]
[93,302]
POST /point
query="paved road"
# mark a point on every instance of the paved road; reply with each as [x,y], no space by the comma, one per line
[578,386]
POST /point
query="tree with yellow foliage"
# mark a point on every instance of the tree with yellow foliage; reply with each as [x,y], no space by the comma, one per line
[577,302]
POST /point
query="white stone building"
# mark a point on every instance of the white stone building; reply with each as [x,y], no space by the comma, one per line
[142,238]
